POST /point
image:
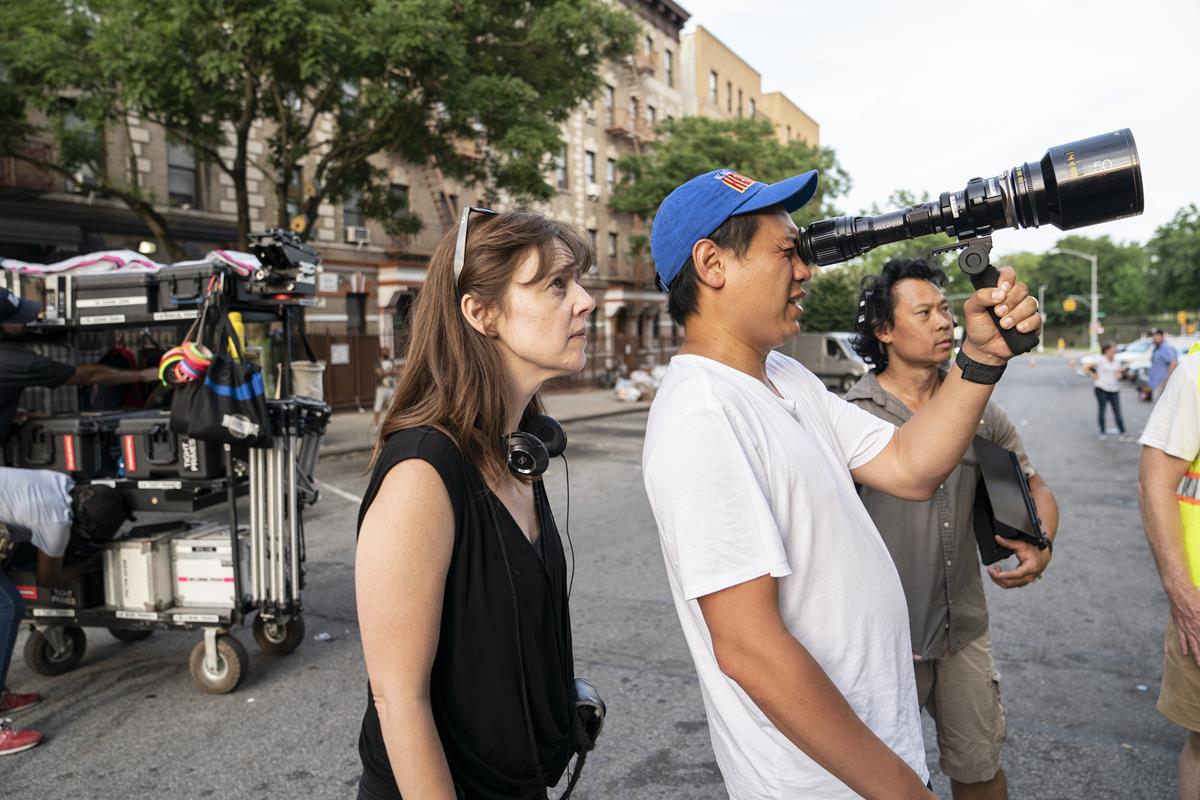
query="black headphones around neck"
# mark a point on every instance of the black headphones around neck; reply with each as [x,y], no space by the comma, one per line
[530,449]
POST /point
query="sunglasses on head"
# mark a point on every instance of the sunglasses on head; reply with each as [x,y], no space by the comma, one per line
[460,245]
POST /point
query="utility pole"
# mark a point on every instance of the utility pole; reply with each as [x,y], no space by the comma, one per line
[1093,334]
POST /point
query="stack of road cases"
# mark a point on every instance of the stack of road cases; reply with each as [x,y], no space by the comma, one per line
[107,298]
[202,564]
[137,572]
[150,449]
[181,290]
[80,445]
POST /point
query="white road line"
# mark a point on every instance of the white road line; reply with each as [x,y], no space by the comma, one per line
[342,493]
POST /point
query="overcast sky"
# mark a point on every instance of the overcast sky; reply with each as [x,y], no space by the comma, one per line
[923,96]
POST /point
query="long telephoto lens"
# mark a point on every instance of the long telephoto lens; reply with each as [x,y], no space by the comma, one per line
[1082,183]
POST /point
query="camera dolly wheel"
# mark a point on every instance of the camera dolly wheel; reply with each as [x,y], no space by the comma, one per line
[55,650]
[130,635]
[278,638]
[218,663]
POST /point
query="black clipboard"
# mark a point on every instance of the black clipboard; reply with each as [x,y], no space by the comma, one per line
[1003,504]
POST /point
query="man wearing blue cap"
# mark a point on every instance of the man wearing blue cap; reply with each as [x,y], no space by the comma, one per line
[790,604]
[20,368]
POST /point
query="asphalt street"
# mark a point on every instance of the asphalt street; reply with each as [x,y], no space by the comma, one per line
[1079,652]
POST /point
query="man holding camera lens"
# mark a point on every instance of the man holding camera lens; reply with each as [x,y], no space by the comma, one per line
[789,601]
[906,333]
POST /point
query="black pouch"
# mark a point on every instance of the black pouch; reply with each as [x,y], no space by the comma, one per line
[230,404]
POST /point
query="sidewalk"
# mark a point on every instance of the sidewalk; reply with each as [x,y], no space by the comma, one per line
[350,431]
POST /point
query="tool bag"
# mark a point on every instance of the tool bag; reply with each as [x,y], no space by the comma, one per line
[229,405]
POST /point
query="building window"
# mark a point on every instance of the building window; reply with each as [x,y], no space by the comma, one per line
[610,102]
[612,245]
[356,312]
[400,195]
[633,111]
[753,109]
[560,167]
[788,138]
[610,173]
[351,215]
[739,102]
[669,66]
[84,180]
[181,176]
[712,87]
[651,115]
[592,239]
[589,166]
[729,97]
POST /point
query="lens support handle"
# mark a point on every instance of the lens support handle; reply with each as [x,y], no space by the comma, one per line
[975,261]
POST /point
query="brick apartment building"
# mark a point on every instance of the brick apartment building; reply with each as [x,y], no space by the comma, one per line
[371,279]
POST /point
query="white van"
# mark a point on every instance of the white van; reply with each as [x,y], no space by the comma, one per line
[829,356]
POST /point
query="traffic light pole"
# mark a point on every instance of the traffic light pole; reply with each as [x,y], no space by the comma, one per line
[1093,328]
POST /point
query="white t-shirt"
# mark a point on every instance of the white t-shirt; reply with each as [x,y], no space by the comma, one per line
[1174,425]
[1108,375]
[35,504]
[743,484]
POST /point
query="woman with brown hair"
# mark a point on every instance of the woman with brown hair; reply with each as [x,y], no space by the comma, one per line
[460,574]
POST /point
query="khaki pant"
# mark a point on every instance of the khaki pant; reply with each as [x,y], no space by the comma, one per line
[961,691]
[1179,697]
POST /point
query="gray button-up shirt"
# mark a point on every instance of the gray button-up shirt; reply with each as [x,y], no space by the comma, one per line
[933,542]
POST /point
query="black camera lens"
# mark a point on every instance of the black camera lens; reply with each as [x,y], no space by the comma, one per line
[1078,184]
[1082,183]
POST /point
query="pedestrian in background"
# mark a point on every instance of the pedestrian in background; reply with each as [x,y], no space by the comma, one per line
[385,373]
[1169,495]
[1106,373]
[1162,364]
[905,332]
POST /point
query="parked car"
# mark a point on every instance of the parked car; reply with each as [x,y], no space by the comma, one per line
[829,356]
[1135,356]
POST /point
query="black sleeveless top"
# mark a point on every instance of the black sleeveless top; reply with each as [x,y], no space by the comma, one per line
[475,688]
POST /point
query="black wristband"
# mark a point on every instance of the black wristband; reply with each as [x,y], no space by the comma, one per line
[975,372]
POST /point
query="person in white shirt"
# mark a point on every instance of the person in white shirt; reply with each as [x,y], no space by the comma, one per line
[790,604]
[1169,497]
[1106,373]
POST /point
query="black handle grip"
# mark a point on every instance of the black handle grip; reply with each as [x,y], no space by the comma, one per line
[1017,342]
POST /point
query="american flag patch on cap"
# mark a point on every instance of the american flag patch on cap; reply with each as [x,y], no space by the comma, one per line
[734,180]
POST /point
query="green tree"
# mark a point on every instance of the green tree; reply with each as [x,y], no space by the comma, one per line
[1122,274]
[832,302]
[1175,246]
[477,88]
[693,145]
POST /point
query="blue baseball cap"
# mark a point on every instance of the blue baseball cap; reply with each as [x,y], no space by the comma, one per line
[700,206]
[14,310]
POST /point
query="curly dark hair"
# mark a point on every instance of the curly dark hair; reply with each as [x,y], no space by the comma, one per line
[875,305]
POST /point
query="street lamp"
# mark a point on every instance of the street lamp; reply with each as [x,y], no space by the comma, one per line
[1094,337]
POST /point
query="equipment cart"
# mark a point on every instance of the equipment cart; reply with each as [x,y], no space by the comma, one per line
[185,573]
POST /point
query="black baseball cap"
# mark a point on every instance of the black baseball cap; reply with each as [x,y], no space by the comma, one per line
[15,311]
[99,511]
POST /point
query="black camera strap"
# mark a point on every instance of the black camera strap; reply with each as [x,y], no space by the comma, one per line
[583,740]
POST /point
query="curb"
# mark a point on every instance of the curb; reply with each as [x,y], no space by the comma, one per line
[352,449]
